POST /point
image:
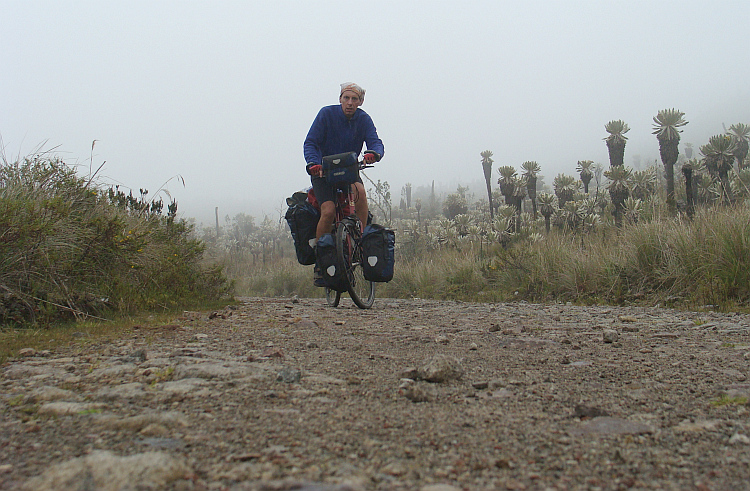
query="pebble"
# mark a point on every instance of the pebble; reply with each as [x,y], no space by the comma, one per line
[106,471]
[739,439]
[441,368]
[606,425]
[289,375]
[610,336]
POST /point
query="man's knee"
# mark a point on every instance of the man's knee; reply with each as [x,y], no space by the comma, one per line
[327,210]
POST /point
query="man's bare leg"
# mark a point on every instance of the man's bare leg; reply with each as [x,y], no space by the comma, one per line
[360,203]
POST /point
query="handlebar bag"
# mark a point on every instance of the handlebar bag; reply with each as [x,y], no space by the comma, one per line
[302,218]
[341,169]
[334,273]
[379,253]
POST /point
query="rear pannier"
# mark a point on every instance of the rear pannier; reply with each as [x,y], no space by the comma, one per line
[379,253]
[302,218]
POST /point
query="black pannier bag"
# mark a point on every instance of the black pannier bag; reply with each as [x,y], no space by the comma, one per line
[341,169]
[302,218]
[379,253]
[334,273]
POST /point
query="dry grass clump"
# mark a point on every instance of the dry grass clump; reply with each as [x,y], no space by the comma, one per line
[703,261]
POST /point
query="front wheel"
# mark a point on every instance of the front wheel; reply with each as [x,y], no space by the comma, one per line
[332,297]
[349,252]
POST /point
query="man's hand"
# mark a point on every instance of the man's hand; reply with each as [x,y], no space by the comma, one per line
[371,157]
[315,170]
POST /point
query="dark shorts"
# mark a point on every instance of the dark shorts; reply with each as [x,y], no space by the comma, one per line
[324,191]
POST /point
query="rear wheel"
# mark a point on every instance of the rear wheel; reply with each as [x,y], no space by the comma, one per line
[349,251]
[333,297]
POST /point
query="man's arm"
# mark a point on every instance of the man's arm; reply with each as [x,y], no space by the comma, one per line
[372,140]
[314,140]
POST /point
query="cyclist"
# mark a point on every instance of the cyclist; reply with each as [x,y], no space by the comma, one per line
[340,128]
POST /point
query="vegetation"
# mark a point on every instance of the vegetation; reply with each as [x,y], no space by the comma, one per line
[616,141]
[73,250]
[70,249]
[619,241]
[666,124]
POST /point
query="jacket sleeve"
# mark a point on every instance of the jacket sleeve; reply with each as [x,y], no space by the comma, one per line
[372,140]
[314,140]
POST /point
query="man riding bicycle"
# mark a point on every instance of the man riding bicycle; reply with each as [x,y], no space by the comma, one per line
[337,129]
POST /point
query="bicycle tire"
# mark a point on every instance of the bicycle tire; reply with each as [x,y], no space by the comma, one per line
[349,250]
[333,297]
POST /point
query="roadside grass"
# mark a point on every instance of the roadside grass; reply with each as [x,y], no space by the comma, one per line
[697,264]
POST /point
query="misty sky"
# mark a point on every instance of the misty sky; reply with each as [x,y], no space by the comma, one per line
[222,93]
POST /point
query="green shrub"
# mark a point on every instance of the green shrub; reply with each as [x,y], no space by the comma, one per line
[68,249]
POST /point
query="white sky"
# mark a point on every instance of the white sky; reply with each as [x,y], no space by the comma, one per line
[222,93]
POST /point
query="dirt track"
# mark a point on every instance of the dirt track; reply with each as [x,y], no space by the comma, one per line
[283,394]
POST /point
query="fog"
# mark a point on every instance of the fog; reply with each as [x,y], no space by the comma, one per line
[221,94]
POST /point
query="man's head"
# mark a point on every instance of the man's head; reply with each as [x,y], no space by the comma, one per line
[352,96]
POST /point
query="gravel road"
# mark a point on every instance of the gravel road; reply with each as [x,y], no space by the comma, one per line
[282,394]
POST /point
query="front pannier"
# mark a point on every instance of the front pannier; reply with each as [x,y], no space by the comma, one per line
[379,253]
[333,272]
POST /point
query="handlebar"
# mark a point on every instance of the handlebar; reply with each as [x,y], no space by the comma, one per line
[361,164]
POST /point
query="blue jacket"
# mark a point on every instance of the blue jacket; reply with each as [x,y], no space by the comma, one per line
[332,133]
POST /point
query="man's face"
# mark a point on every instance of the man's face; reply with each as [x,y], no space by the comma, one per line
[350,101]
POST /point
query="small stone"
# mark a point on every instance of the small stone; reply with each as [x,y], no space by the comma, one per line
[610,336]
[394,469]
[473,347]
[439,487]
[201,336]
[69,408]
[480,385]
[154,429]
[605,425]
[739,439]
[442,339]
[495,328]
[26,352]
[582,411]
[139,355]
[104,470]
[411,373]
[272,353]
[442,368]
[289,375]
[665,335]
[627,318]
[697,426]
[339,323]
[415,393]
